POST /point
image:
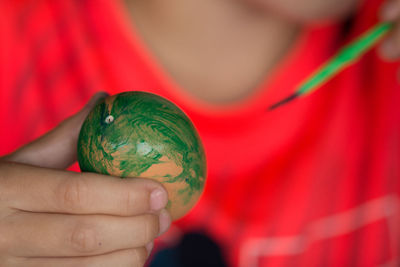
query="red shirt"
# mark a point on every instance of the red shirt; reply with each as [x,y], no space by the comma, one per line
[313,183]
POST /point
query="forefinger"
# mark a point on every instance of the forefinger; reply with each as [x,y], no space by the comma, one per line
[36,189]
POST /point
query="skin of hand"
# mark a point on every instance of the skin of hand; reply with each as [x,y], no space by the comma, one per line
[53,217]
[390,47]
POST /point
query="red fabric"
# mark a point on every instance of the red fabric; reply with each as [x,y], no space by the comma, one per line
[314,183]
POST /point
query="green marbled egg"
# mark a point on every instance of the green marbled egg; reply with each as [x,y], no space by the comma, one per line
[139,134]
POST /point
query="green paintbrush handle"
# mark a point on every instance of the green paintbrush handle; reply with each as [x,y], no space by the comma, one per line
[344,57]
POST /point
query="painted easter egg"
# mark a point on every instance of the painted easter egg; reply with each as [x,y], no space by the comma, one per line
[139,134]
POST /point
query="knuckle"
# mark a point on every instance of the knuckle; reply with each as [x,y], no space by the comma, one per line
[83,238]
[72,193]
[129,201]
[135,200]
[151,228]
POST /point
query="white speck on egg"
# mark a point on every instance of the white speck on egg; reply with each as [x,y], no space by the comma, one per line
[109,119]
[143,148]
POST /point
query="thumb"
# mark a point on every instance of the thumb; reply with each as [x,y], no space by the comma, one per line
[57,148]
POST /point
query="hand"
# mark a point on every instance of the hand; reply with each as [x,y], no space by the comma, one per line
[52,217]
[390,47]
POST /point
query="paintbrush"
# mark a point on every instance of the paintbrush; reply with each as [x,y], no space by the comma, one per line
[348,55]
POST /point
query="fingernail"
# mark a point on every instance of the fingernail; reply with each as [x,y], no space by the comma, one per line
[158,199]
[390,11]
[165,221]
[149,247]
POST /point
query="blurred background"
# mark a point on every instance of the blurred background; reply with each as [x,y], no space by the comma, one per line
[313,183]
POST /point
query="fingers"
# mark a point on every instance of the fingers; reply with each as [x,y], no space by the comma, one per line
[128,257]
[57,148]
[390,47]
[35,189]
[60,235]
[61,218]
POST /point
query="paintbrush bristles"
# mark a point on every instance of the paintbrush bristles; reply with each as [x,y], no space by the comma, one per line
[284,101]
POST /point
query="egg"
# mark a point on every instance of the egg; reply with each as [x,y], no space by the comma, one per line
[139,134]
